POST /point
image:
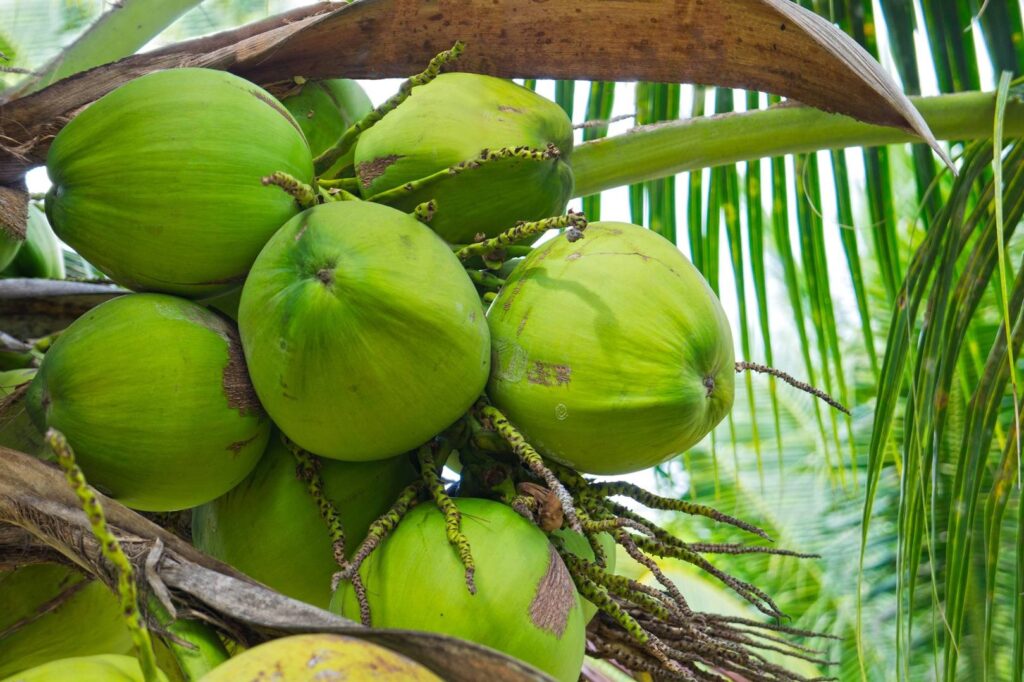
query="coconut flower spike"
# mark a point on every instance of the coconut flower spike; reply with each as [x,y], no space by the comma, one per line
[452,515]
[111,548]
[574,223]
[349,137]
[533,461]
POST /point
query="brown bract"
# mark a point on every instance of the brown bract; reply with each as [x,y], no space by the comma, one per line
[769,45]
[41,520]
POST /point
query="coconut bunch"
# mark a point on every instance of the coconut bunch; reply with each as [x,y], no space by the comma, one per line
[333,303]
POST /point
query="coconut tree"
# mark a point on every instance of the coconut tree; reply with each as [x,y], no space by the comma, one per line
[848,254]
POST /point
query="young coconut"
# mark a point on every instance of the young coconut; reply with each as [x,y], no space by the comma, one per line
[153,395]
[525,604]
[611,353]
[99,668]
[325,109]
[363,334]
[158,183]
[498,154]
[16,428]
[40,254]
[269,527]
[52,611]
[316,657]
[10,242]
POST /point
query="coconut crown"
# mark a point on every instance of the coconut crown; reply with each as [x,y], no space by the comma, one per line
[611,354]
[507,147]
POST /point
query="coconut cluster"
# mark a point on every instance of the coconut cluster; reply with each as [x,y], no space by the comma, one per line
[332,304]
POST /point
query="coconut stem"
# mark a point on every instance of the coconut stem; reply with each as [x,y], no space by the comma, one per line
[304,195]
[328,158]
[575,223]
[425,212]
[745,366]
[485,280]
[486,156]
[635,492]
[452,516]
[533,461]
[379,530]
[111,549]
[308,471]
[350,185]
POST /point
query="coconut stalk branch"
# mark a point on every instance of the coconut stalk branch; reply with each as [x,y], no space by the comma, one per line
[813,61]
[664,149]
[35,499]
[111,549]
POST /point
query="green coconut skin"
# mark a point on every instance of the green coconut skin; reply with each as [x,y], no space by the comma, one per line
[325,109]
[269,527]
[158,183]
[526,604]
[40,255]
[611,354]
[152,394]
[10,243]
[578,545]
[470,113]
[363,334]
[87,622]
[16,428]
[101,668]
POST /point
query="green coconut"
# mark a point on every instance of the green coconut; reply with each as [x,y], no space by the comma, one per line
[158,184]
[152,394]
[100,668]
[320,657]
[325,109]
[41,254]
[526,604]
[363,334]
[452,120]
[11,240]
[16,428]
[52,611]
[269,527]
[611,353]
[578,545]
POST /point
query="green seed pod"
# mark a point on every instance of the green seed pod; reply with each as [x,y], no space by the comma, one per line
[611,353]
[16,428]
[52,611]
[269,527]
[153,395]
[101,668]
[363,334]
[317,657]
[324,110]
[525,604]
[40,255]
[451,121]
[578,545]
[158,183]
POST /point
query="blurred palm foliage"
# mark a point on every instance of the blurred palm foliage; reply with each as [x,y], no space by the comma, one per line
[873,273]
